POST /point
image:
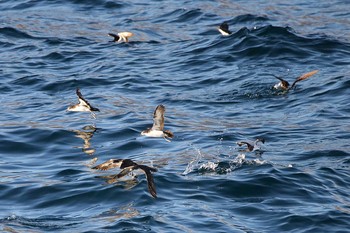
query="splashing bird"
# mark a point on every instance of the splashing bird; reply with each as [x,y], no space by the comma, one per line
[284,85]
[251,147]
[83,105]
[157,129]
[121,36]
[224,29]
[127,166]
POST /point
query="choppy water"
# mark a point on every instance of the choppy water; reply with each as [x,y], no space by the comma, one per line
[217,91]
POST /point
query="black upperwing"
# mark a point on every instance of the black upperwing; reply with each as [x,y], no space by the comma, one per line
[250,147]
[83,101]
[260,140]
[284,82]
[115,37]
[150,181]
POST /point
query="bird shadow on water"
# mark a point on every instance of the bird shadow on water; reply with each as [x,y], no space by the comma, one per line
[126,183]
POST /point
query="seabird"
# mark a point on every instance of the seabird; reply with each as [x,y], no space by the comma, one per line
[121,36]
[83,105]
[223,29]
[157,129]
[251,147]
[127,166]
[284,85]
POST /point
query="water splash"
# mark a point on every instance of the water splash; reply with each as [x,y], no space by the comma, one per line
[194,163]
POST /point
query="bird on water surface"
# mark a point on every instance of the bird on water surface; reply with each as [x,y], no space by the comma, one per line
[224,29]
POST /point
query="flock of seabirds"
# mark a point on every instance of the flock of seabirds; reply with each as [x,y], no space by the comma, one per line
[157,130]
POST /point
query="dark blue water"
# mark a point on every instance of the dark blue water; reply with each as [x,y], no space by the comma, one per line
[217,91]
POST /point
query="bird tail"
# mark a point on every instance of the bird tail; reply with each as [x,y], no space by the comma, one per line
[168,134]
[95,109]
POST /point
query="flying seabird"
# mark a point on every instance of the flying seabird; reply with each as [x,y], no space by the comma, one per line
[83,105]
[284,85]
[251,147]
[223,29]
[121,36]
[157,129]
[127,166]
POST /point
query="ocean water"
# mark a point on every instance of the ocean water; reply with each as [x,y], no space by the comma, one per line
[217,91]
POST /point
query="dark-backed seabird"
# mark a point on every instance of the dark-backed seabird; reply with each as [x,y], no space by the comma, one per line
[127,166]
[251,147]
[223,29]
[83,105]
[121,36]
[157,129]
[284,85]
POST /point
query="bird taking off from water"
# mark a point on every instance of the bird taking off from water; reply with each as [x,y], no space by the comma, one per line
[284,85]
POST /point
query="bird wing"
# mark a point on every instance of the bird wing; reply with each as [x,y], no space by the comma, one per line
[158,118]
[304,76]
[279,78]
[260,140]
[250,147]
[112,163]
[284,82]
[150,181]
[82,100]
[114,36]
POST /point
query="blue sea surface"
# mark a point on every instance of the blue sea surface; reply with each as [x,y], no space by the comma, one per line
[217,91]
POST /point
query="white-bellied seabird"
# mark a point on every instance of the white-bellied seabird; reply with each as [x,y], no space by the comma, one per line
[121,36]
[83,105]
[251,147]
[157,129]
[127,166]
[223,29]
[284,85]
